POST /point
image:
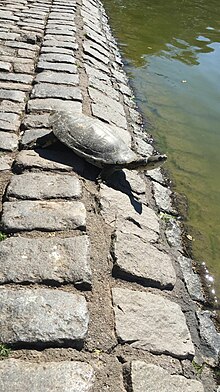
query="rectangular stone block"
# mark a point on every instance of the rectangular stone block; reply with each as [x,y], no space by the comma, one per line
[43,215]
[151,322]
[47,160]
[17,96]
[42,318]
[63,67]
[142,262]
[8,141]
[106,108]
[41,186]
[51,104]
[9,121]
[48,90]
[65,376]
[39,260]
[57,78]
[151,378]
[118,212]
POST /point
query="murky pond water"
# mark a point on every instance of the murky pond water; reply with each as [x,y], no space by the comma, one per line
[172,53]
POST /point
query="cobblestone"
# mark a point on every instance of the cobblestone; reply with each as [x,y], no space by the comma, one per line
[51,104]
[9,122]
[42,317]
[26,186]
[63,376]
[43,215]
[151,322]
[47,90]
[8,141]
[59,260]
[151,378]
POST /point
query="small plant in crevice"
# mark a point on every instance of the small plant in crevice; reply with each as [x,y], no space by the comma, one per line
[3,236]
[198,368]
[4,351]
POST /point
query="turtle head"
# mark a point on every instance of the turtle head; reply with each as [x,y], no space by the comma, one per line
[150,163]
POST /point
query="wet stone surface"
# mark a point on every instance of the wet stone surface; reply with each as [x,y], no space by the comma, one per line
[66,376]
[42,317]
[59,260]
[151,322]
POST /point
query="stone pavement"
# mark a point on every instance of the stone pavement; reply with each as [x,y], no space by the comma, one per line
[96,292]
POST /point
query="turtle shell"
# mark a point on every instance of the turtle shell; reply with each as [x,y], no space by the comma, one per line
[91,139]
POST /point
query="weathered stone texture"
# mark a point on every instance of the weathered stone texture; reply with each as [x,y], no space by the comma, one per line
[48,90]
[66,376]
[57,259]
[162,197]
[50,104]
[48,160]
[43,215]
[42,317]
[8,141]
[151,322]
[191,279]
[9,121]
[117,210]
[44,186]
[151,378]
[143,262]
[57,78]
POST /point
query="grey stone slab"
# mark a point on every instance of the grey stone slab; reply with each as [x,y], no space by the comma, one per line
[70,38]
[88,49]
[5,66]
[15,86]
[25,53]
[63,67]
[119,213]
[210,337]
[163,198]
[143,148]
[151,322]
[19,78]
[42,317]
[12,107]
[48,90]
[38,260]
[97,64]
[61,16]
[57,58]
[22,45]
[47,160]
[40,186]
[96,36]
[43,215]
[8,141]
[36,120]
[151,378]
[105,88]
[58,78]
[20,67]
[142,262]
[107,109]
[5,162]
[62,44]
[191,279]
[8,15]
[51,104]
[65,31]
[30,135]
[17,96]
[65,376]
[54,49]
[9,121]
[9,36]
[156,175]
[174,232]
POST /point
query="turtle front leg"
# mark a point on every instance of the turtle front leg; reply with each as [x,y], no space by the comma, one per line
[105,173]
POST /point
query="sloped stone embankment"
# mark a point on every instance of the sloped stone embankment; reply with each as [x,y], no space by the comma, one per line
[92,296]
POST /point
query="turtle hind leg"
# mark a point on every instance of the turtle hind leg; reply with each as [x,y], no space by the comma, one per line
[105,173]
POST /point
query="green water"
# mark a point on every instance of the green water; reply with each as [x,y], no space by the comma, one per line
[172,54]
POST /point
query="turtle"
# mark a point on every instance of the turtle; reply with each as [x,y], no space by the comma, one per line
[97,143]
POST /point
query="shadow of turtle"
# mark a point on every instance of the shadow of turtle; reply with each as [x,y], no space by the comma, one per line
[63,155]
